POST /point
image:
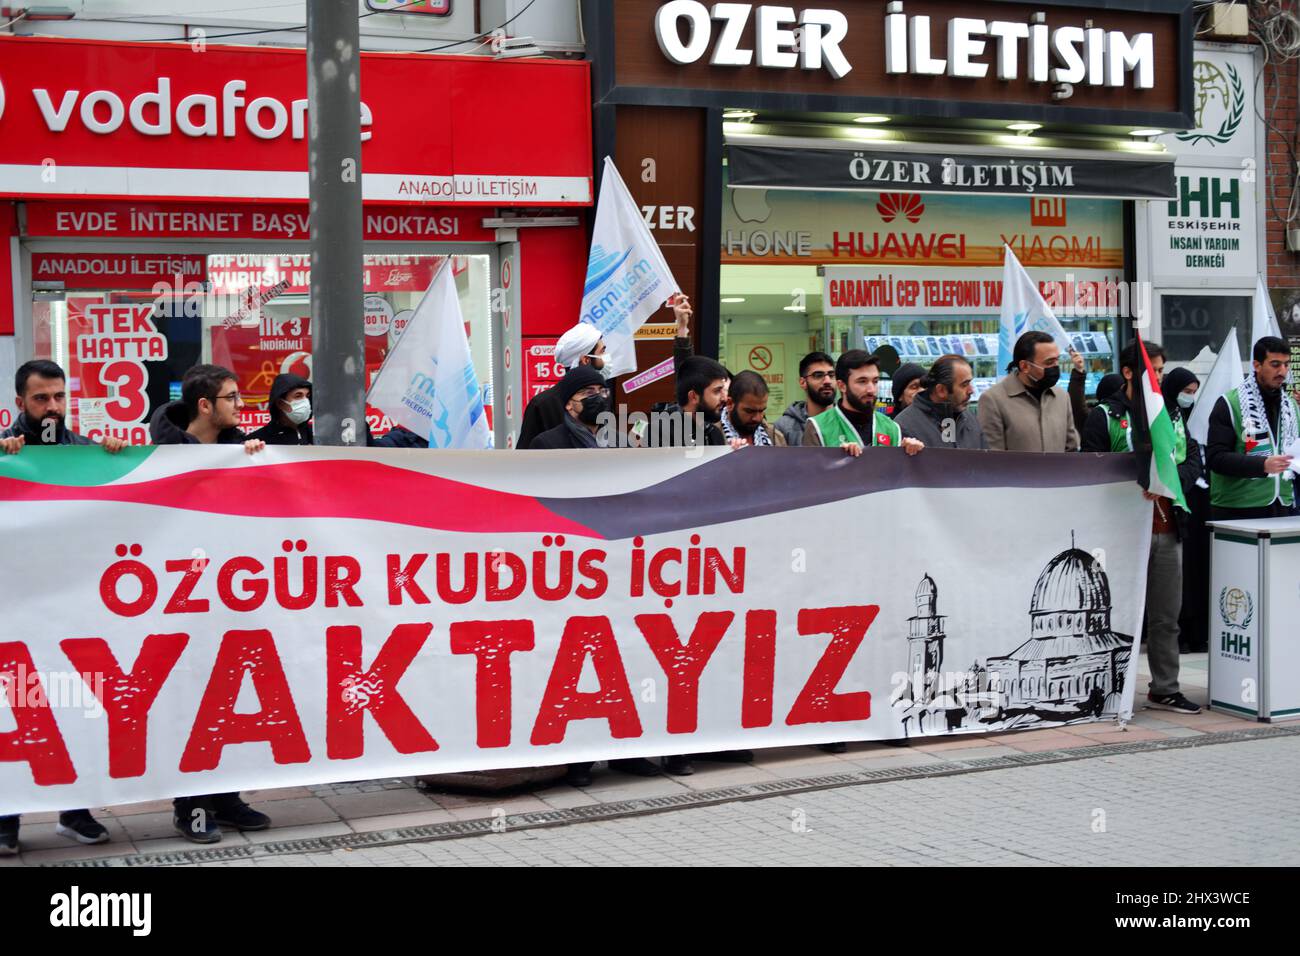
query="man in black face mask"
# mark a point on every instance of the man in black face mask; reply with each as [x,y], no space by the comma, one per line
[586,398]
[940,415]
[1025,411]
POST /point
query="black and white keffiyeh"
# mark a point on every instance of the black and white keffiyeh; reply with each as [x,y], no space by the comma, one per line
[729,432]
[1255,417]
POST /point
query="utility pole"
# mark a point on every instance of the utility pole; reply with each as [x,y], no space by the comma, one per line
[334,171]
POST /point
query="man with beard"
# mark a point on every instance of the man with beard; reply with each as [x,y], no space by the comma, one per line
[742,420]
[701,388]
[940,414]
[854,422]
[42,399]
[1025,411]
[817,379]
[208,414]
[41,388]
[1252,430]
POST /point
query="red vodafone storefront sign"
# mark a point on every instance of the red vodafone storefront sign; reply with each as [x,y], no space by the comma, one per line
[85,118]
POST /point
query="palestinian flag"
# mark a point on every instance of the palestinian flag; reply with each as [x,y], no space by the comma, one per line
[1159,475]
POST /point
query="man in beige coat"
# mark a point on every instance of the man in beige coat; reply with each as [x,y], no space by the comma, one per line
[1024,411]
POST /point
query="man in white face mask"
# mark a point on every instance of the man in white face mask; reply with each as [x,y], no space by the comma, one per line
[290,407]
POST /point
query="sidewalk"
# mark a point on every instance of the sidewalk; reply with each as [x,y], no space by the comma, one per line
[369,806]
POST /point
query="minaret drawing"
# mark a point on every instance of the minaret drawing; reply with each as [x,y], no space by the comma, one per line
[925,636]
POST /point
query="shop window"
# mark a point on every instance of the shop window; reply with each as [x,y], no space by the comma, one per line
[248,312]
[1193,327]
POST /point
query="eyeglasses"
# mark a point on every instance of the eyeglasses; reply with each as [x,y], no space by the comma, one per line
[818,376]
[592,390]
[232,397]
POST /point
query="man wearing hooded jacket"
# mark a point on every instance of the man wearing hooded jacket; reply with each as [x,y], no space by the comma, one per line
[207,414]
[290,407]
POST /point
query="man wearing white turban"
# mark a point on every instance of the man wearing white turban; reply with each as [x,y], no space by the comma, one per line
[582,345]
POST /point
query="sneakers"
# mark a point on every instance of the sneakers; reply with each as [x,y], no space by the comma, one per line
[198,826]
[578,775]
[1174,702]
[8,836]
[79,825]
[236,813]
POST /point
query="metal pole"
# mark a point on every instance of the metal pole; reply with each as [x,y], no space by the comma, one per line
[334,168]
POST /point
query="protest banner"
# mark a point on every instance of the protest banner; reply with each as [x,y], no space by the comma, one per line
[191,620]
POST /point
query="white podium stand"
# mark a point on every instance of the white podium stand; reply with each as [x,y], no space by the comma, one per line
[1255,618]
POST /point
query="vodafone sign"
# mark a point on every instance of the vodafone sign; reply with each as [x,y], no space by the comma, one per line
[99,119]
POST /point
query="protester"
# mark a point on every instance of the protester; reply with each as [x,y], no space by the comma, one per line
[817,379]
[1077,390]
[1025,411]
[905,385]
[743,419]
[40,387]
[1111,427]
[583,345]
[207,414]
[1108,386]
[1179,389]
[854,421]
[290,407]
[1252,429]
[42,398]
[940,415]
[585,395]
[701,391]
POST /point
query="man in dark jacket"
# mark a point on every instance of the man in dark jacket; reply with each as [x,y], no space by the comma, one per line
[1110,428]
[41,389]
[582,345]
[207,414]
[817,379]
[585,398]
[290,407]
[940,414]
[1252,431]
[42,397]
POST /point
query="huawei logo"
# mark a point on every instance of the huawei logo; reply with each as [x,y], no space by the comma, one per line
[892,205]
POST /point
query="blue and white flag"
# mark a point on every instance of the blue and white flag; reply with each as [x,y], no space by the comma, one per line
[1023,310]
[627,277]
[427,382]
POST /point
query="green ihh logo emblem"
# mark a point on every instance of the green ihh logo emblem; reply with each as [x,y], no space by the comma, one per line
[1220,104]
[1237,610]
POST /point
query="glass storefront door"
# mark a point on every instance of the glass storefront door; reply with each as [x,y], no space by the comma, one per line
[126,345]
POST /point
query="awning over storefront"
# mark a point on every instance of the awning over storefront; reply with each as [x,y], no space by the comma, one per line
[932,168]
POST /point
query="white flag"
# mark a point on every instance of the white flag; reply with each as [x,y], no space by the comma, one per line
[427,382]
[627,278]
[1023,310]
[1223,378]
[1263,322]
